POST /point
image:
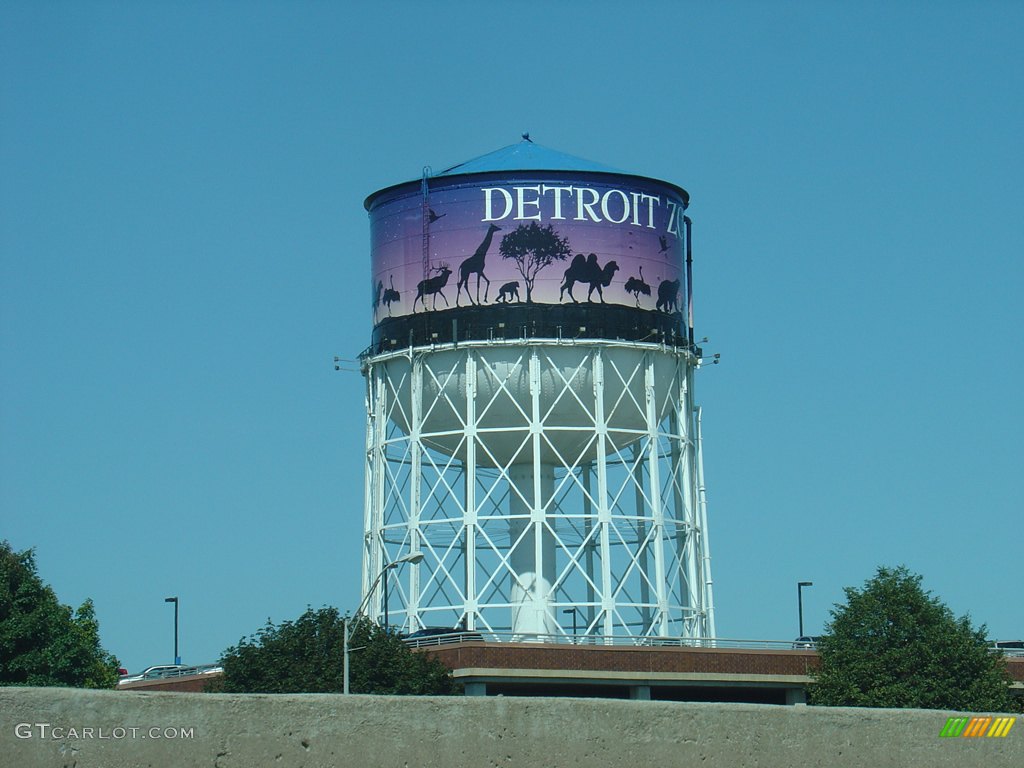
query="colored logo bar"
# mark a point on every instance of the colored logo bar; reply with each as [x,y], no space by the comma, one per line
[976,727]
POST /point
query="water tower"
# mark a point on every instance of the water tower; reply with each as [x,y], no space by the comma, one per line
[531,423]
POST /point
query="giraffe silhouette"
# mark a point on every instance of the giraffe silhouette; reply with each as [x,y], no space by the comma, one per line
[475,265]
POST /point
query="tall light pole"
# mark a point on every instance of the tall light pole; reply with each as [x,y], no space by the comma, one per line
[412,557]
[800,602]
[573,611]
[177,658]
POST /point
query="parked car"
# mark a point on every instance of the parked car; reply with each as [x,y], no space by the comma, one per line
[440,636]
[806,642]
[1010,647]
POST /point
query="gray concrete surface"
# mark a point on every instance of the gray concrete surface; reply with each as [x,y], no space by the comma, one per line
[47,727]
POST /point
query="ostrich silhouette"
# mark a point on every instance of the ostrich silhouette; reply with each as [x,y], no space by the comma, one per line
[636,286]
[475,265]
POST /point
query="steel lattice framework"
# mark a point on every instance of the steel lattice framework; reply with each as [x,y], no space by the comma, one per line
[538,478]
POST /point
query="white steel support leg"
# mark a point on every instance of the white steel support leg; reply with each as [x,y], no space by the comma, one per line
[604,513]
[705,545]
[657,510]
[469,532]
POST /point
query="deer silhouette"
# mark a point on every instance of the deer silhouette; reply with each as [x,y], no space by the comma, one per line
[668,295]
[432,286]
[390,294]
[636,286]
[475,265]
[586,270]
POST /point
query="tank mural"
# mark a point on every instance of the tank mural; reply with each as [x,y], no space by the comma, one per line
[539,241]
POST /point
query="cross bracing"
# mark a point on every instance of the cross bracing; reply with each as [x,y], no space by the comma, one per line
[538,480]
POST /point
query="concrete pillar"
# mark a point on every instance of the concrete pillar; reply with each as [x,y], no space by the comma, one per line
[796,696]
[475,689]
[640,692]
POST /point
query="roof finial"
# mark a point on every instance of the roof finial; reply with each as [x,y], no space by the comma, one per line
[526,137]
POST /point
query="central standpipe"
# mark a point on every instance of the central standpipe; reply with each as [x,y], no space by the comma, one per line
[532,558]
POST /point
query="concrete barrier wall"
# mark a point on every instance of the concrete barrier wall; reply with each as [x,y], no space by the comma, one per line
[48,727]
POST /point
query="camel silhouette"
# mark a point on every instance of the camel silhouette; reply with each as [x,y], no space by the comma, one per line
[587,270]
[475,265]
[636,286]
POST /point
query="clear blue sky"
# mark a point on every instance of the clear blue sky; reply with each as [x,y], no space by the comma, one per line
[184,249]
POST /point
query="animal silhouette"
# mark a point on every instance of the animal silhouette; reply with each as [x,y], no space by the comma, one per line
[587,270]
[664,243]
[432,286]
[433,216]
[668,295]
[475,265]
[507,291]
[390,294]
[376,296]
[636,286]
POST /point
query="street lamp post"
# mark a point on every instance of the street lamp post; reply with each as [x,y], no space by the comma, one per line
[177,658]
[412,557]
[573,611]
[800,601]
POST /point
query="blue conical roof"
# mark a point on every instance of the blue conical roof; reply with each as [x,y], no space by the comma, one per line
[526,156]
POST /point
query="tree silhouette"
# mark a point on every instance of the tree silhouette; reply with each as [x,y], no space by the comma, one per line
[533,247]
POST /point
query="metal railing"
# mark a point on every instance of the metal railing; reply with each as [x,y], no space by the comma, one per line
[171,672]
[457,637]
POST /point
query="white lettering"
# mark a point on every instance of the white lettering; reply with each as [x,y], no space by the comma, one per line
[87,732]
[558,198]
[582,205]
[23,730]
[187,733]
[58,733]
[489,211]
[651,200]
[673,219]
[616,206]
[119,733]
[523,202]
[42,729]
[625,206]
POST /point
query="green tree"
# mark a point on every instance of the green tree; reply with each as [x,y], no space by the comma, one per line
[306,656]
[895,645]
[532,248]
[43,642]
